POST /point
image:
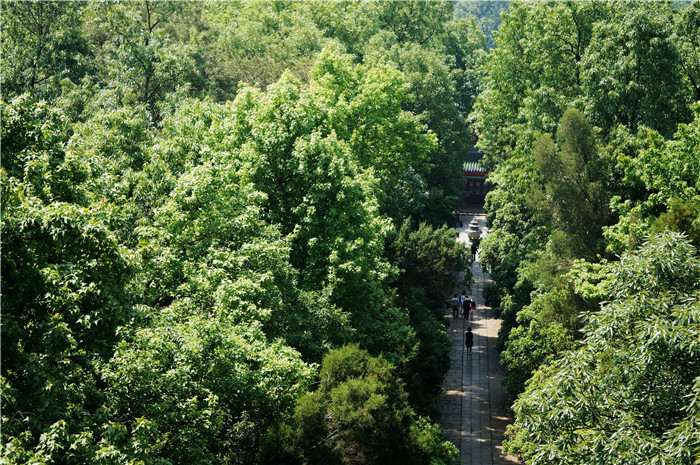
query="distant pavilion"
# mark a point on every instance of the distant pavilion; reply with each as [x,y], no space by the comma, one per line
[475,188]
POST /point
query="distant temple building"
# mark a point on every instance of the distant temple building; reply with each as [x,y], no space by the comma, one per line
[475,188]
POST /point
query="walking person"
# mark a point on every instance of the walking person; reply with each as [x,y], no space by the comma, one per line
[469,340]
[473,308]
[463,301]
[455,306]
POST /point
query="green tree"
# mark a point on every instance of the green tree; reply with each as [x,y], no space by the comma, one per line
[413,21]
[661,180]
[645,86]
[429,261]
[540,50]
[439,57]
[687,33]
[428,258]
[574,177]
[629,395]
[314,152]
[65,280]
[269,38]
[549,201]
[486,12]
[360,413]
[42,44]
[139,59]
[316,192]
[210,385]
[209,248]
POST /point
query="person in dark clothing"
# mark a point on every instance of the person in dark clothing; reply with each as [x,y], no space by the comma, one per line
[469,340]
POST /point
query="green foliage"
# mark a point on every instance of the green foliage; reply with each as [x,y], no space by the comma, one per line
[628,395]
[439,57]
[211,386]
[209,244]
[487,14]
[589,189]
[688,39]
[318,196]
[556,55]
[539,50]
[44,45]
[662,178]
[66,290]
[140,61]
[429,260]
[360,414]
[539,338]
[587,192]
[574,197]
[514,231]
[179,248]
[269,38]
[645,86]
[114,444]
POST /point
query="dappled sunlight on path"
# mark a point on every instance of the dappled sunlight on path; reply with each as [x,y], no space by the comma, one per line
[474,408]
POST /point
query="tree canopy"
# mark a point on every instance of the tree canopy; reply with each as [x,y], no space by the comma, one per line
[593,152]
[226,227]
[202,210]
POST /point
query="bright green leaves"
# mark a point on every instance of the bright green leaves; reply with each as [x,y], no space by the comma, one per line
[413,21]
[543,334]
[34,138]
[626,395]
[165,257]
[211,385]
[210,249]
[663,178]
[314,158]
[115,444]
[318,195]
[65,278]
[209,245]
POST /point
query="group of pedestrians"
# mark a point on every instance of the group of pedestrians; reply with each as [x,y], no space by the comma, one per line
[463,305]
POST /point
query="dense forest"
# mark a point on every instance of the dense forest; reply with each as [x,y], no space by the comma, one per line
[227,228]
[589,117]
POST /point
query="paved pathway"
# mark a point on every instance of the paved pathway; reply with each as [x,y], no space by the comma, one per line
[473,406]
